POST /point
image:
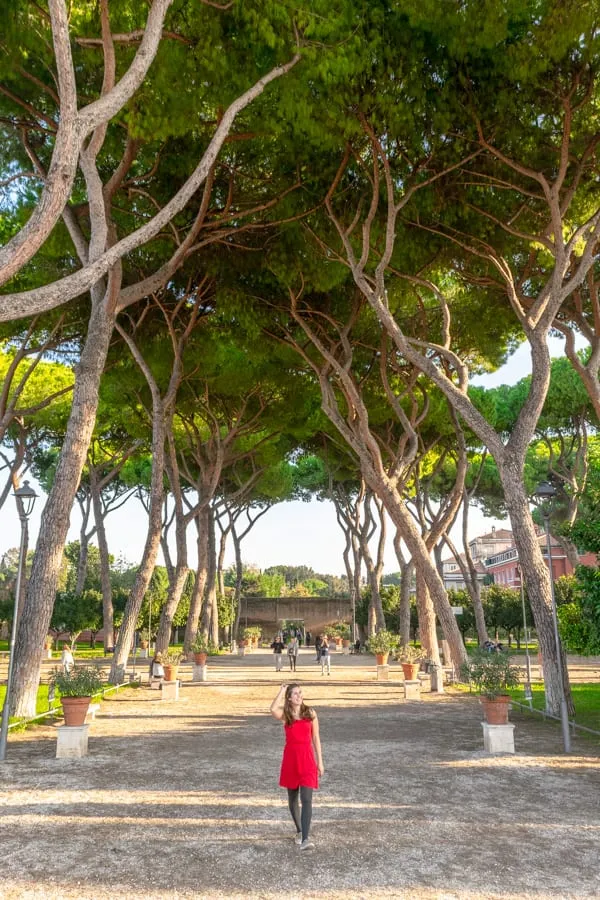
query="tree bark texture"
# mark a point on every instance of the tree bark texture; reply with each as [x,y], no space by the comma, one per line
[196,602]
[537,579]
[108,624]
[39,601]
[427,629]
[151,546]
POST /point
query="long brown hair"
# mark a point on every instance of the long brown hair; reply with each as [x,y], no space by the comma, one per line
[305,711]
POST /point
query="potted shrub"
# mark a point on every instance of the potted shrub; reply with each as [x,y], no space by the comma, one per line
[171,660]
[76,689]
[251,635]
[200,649]
[381,644]
[144,640]
[491,673]
[408,656]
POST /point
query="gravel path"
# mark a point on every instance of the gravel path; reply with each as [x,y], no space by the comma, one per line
[180,799]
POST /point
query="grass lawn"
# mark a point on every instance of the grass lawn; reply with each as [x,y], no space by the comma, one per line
[41,705]
[586,698]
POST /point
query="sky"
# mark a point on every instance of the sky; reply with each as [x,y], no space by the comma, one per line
[293,533]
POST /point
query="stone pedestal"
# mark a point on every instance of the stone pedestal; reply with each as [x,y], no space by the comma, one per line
[199,673]
[47,654]
[383,673]
[72,741]
[241,651]
[437,679]
[169,690]
[498,738]
[412,690]
[143,653]
[234,647]
[425,681]
[346,651]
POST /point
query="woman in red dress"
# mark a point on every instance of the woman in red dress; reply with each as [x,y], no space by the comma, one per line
[302,761]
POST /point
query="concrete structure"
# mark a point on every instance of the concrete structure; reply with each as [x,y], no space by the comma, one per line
[412,690]
[72,741]
[504,566]
[199,673]
[169,690]
[498,738]
[383,673]
[497,560]
[314,612]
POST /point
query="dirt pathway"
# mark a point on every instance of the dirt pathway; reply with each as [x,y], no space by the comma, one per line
[180,799]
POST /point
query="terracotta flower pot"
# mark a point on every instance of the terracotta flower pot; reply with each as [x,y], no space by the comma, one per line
[170,673]
[496,710]
[410,671]
[144,645]
[382,658]
[75,710]
[200,658]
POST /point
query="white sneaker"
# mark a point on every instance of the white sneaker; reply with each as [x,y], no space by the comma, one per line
[298,837]
[307,845]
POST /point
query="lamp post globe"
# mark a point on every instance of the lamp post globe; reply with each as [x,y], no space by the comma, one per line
[25,497]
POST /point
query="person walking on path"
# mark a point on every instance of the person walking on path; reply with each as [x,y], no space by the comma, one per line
[293,653]
[67,660]
[318,642]
[302,761]
[277,647]
[325,658]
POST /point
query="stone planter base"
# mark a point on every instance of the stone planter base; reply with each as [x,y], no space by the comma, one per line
[169,690]
[199,673]
[498,738]
[72,741]
[412,690]
[383,673]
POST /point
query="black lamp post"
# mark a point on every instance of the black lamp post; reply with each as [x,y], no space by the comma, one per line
[25,497]
[546,494]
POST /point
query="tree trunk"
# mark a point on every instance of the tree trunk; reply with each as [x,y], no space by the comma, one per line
[151,547]
[376,617]
[210,612]
[239,574]
[427,629]
[415,544]
[83,559]
[169,610]
[406,571]
[108,624]
[196,603]
[537,578]
[39,601]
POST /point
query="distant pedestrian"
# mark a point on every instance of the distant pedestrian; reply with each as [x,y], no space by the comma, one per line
[318,642]
[308,638]
[293,653]
[324,657]
[278,647]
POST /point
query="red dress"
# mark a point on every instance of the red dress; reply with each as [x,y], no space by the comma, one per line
[298,766]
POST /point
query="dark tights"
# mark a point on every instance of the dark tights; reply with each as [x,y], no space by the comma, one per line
[302,821]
